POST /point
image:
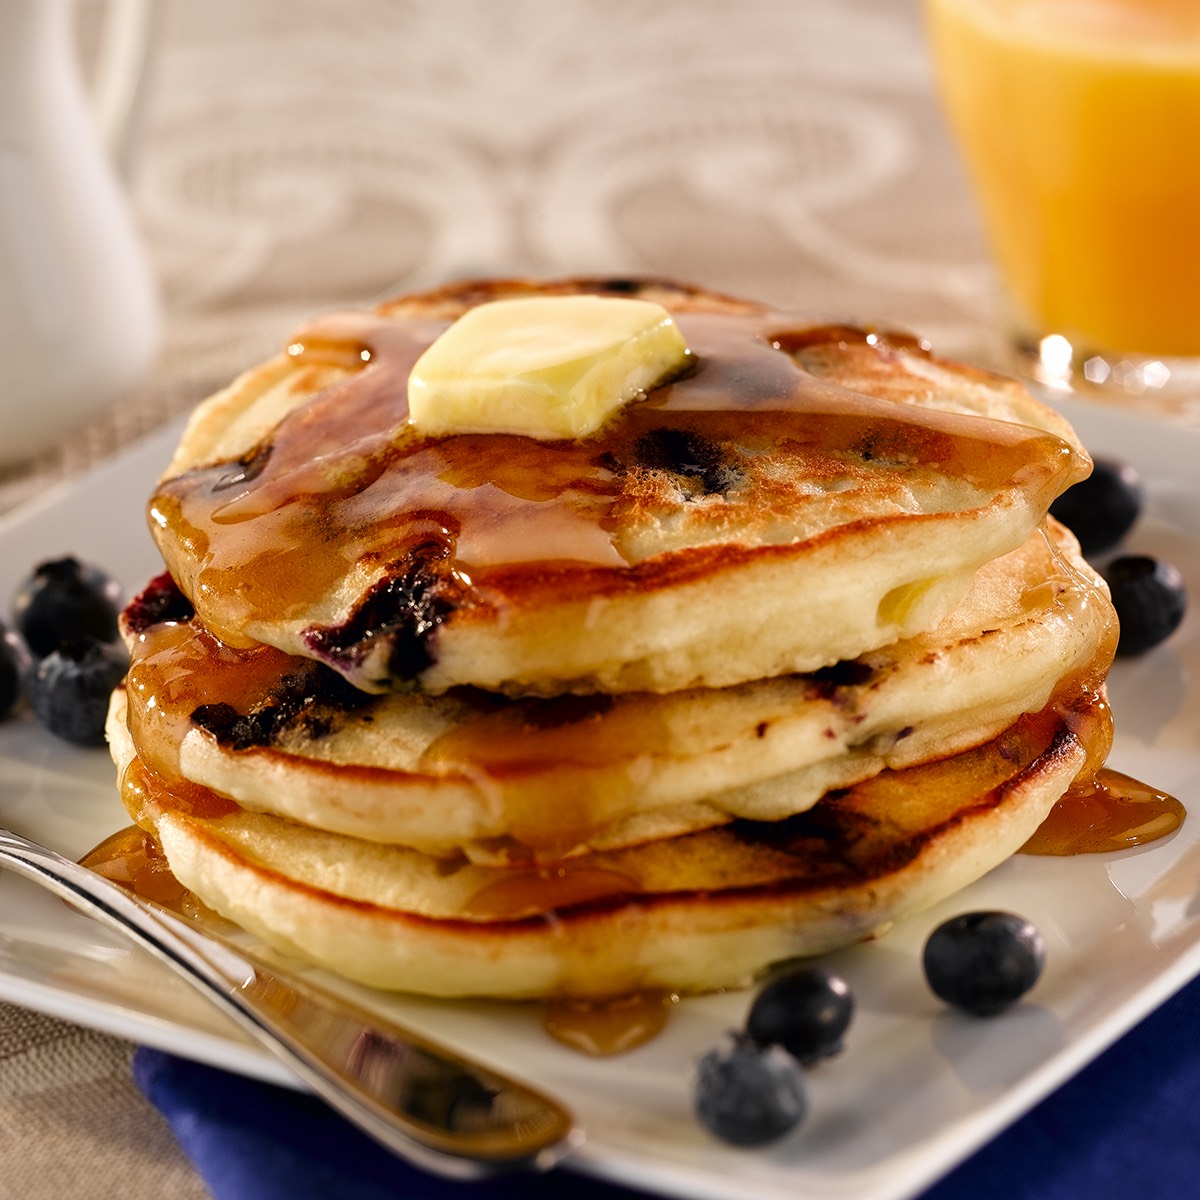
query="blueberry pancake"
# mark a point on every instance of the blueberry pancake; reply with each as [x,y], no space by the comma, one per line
[785,497]
[501,778]
[572,639]
[693,913]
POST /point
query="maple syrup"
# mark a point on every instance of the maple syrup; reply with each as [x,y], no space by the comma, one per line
[1109,811]
[529,753]
[145,794]
[133,859]
[605,1028]
[344,478]
[178,667]
[1103,809]
[521,892]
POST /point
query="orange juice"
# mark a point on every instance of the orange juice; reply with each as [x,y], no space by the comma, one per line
[1080,125]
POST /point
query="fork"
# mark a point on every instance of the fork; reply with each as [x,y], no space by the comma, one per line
[430,1105]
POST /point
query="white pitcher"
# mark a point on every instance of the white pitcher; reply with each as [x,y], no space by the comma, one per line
[79,314]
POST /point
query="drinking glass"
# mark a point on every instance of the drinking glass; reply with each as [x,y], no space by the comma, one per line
[1079,125]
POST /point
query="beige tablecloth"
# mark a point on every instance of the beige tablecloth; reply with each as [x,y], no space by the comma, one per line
[295,155]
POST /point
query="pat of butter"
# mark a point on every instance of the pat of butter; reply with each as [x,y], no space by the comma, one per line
[546,366]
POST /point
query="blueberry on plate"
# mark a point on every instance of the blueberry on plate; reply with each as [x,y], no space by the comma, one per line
[983,962]
[1150,598]
[70,688]
[747,1094]
[1101,509]
[806,1010]
[65,599]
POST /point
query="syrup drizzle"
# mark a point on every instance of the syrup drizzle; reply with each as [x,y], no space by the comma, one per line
[525,892]
[177,667]
[345,478]
[605,1028]
[1103,809]
[133,859]
[1110,811]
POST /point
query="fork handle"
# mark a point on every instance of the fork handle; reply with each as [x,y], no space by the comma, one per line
[430,1105]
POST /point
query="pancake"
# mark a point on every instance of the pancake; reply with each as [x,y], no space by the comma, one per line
[695,913]
[784,651]
[804,495]
[509,779]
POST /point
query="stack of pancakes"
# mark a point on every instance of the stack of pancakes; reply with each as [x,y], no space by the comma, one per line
[788,649]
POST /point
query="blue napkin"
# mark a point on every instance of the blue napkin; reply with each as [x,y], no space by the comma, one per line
[254,1141]
[1125,1128]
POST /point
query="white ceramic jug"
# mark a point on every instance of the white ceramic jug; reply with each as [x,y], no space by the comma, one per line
[79,315]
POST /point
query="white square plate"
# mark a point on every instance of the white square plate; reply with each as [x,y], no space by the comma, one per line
[917,1088]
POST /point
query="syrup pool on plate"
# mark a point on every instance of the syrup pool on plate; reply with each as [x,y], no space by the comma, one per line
[1112,811]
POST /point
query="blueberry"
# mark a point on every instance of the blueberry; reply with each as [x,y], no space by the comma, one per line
[65,599]
[747,1094]
[1102,508]
[70,689]
[982,962]
[805,1010]
[1150,598]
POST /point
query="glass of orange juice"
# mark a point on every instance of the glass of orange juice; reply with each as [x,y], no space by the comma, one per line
[1079,122]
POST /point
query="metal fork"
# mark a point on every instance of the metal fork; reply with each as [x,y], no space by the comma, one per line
[430,1105]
